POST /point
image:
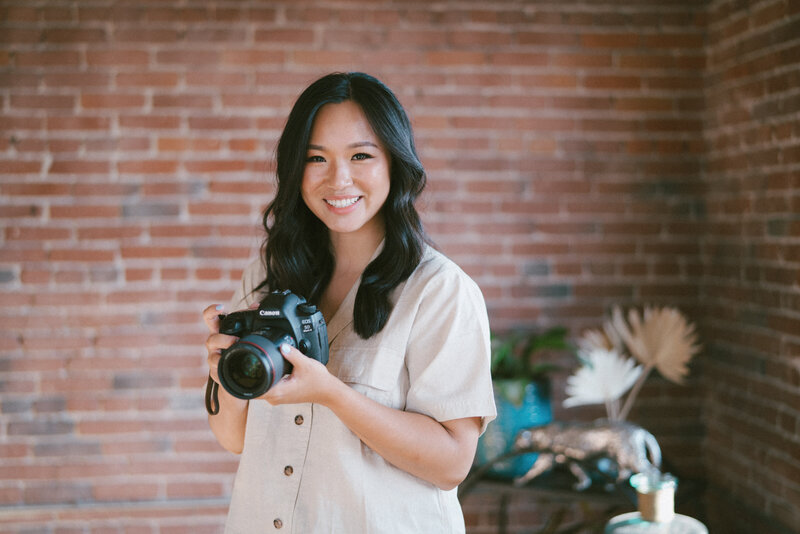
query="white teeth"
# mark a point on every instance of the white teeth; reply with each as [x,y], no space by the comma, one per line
[342,203]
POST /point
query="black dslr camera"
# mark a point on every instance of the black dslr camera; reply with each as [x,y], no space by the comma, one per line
[253,364]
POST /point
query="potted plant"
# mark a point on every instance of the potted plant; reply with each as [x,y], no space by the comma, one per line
[522,395]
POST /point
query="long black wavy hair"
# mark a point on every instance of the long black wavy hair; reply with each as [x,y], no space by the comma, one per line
[297,251]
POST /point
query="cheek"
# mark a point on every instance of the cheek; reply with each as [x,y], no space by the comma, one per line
[380,180]
[309,184]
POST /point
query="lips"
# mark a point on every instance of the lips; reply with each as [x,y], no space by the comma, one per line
[342,202]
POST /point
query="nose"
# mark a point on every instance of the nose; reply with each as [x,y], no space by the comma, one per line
[339,175]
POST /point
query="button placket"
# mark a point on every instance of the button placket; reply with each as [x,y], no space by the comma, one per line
[292,459]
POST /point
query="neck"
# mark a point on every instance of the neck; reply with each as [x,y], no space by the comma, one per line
[353,251]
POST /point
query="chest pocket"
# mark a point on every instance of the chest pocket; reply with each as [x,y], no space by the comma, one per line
[373,371]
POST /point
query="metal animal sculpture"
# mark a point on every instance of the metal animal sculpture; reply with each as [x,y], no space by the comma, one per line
[578,444]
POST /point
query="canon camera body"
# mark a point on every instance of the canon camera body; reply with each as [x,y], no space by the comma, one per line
[253,364]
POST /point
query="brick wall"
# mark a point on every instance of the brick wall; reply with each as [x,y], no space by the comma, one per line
[566,155]
[751,257]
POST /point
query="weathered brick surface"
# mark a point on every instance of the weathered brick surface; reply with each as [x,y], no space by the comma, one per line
[751,309]
[580,155]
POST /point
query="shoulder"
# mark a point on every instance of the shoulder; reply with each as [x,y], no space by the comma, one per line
[438,273]
[434,265]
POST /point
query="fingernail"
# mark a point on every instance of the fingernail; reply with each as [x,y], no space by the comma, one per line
[286,348]
[219,307]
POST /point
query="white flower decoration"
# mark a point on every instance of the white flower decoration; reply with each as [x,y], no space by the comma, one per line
[602,379]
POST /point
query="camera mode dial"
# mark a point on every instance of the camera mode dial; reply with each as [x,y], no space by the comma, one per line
[307,309]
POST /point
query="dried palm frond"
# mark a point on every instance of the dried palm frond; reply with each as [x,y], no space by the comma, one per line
[660,338]
[606,339]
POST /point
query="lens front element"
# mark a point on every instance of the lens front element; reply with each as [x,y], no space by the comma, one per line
[246,370]
[249,367]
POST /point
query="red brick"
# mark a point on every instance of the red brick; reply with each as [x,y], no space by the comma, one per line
[188,57]
[299,35]
[50,102]
[215,166]
[548,39]
[78,123]
[19,167]
[455,58]
[144,166]
[79,167]
[84,212]
[250,57]
[147,79]
[59,80]
[78,255]
[220,123]
[150,121]
[611,40]
[47,58]
[250,101]
[111,100]
[131,252]
[117,57]
[74,35]
[183,100]
[216,79]
[573,60]
[138,34]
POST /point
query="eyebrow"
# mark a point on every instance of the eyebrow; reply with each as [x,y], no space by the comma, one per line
[352,145]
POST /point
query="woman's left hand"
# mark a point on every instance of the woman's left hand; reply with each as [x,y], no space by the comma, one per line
[309,380]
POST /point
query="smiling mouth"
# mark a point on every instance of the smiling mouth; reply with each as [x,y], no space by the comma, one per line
[342,203]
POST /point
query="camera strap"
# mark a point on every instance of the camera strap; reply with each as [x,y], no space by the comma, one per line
[212,398]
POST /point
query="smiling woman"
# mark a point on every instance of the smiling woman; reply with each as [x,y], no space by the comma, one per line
[394,417]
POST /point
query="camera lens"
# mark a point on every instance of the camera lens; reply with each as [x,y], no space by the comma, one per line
[247,370]
[251,366]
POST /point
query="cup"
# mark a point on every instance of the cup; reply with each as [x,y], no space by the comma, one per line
[656,494]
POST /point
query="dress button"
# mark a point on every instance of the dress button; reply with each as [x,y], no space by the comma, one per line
[278,523]
[288,470]
[298,420]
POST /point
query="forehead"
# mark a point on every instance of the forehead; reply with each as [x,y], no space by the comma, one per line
[343,121]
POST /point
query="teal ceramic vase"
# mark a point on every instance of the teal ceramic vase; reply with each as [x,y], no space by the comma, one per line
[520,405]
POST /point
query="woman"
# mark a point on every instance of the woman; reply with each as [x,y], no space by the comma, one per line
[377,440]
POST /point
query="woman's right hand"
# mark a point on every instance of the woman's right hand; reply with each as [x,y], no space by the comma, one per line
[216,342]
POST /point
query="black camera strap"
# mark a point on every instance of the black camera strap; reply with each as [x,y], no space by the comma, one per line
[212,398]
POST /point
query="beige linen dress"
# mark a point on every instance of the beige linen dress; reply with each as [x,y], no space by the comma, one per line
[302,471]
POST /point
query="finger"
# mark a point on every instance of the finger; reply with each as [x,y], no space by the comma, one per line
[215,344]
[218,342]
[211,317]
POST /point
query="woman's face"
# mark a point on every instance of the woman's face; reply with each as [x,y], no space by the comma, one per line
[346,177]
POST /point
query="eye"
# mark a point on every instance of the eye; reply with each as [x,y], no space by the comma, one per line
[315,159]
[362,156]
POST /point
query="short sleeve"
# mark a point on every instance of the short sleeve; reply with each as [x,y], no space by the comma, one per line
[448,355]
